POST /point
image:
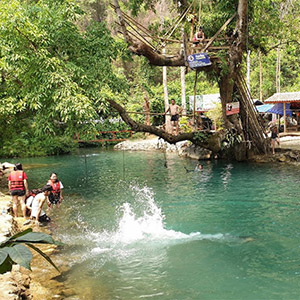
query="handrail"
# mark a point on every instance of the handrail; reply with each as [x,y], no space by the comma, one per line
[96,140]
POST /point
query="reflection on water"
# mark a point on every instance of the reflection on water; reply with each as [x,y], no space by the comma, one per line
[135,228]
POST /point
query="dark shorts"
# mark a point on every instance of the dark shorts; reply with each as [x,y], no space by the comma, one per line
[54,198]
[18,192]
[174,118]
[44,219]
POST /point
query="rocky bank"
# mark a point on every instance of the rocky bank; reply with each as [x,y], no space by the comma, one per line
[184,148]
[189,150]
[43,282]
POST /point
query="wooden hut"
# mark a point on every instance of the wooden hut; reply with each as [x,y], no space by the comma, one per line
[291,98]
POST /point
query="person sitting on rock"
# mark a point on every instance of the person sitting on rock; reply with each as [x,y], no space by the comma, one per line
[199,37]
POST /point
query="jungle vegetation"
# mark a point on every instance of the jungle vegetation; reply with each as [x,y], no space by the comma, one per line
[67,67]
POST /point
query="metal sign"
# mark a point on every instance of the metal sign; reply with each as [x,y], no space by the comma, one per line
[198,60]
[232,108]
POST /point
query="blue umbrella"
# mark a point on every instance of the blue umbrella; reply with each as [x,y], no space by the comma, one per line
[278,109]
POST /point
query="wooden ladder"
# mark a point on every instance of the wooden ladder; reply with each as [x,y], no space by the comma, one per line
[253,127]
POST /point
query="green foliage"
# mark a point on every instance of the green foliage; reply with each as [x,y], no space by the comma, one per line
[59,63]
[52,73]
[230,139]
[136,6]
[12,251]
[216,116]
[27,146]
[201,136]
[184,125]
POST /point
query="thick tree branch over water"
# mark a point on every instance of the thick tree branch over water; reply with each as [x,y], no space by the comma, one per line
[227,79]
[211,142]
[142,49]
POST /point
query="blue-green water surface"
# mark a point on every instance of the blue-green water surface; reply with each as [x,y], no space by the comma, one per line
[137,225]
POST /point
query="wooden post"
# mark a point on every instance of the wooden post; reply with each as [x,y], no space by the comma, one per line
[260,77]
[182,77]
[284,117]
[166,96]
[278,70]
[183,96]
[194,104]
[147,109]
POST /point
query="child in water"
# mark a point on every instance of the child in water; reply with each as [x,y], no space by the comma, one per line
[56,196]
[198,168]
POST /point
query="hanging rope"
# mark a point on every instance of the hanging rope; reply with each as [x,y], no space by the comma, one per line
[199,16]
[248,141]
[194,104]
[176,25]
[123,163]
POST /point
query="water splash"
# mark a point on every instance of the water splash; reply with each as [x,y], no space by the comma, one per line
[142,222]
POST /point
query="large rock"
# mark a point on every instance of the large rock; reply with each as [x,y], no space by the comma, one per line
[149,145]
[196,152]
[3,183]
[14,285]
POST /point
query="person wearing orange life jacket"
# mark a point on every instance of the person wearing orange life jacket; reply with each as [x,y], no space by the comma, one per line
[17,184]
[56,196]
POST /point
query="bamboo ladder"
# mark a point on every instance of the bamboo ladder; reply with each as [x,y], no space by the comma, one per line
[255,130]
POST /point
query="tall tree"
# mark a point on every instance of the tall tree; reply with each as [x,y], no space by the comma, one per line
[226,74]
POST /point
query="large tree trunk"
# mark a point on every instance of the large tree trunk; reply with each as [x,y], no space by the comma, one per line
[226,82]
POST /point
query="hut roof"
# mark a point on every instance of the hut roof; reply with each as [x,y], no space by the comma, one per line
[284,98]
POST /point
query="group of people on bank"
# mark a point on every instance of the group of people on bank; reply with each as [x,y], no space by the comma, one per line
[32,201]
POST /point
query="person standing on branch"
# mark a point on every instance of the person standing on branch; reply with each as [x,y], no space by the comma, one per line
[17,184]
[174,110]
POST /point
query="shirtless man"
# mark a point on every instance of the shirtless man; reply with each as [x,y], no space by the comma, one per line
[174,110]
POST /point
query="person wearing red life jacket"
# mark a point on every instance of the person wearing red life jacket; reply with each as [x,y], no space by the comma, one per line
[199,38]
[18,187]
[56,196]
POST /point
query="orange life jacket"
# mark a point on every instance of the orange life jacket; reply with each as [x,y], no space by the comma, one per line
[17,180]
[55,187]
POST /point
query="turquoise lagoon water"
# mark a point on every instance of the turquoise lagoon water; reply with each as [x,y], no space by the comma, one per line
[139,226]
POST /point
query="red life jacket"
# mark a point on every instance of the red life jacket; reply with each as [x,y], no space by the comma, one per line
[17,180]
[55,187]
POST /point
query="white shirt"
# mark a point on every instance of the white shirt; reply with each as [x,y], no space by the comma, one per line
[34,203]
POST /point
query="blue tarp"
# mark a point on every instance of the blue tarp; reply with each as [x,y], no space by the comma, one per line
[278,109]
[264,108]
